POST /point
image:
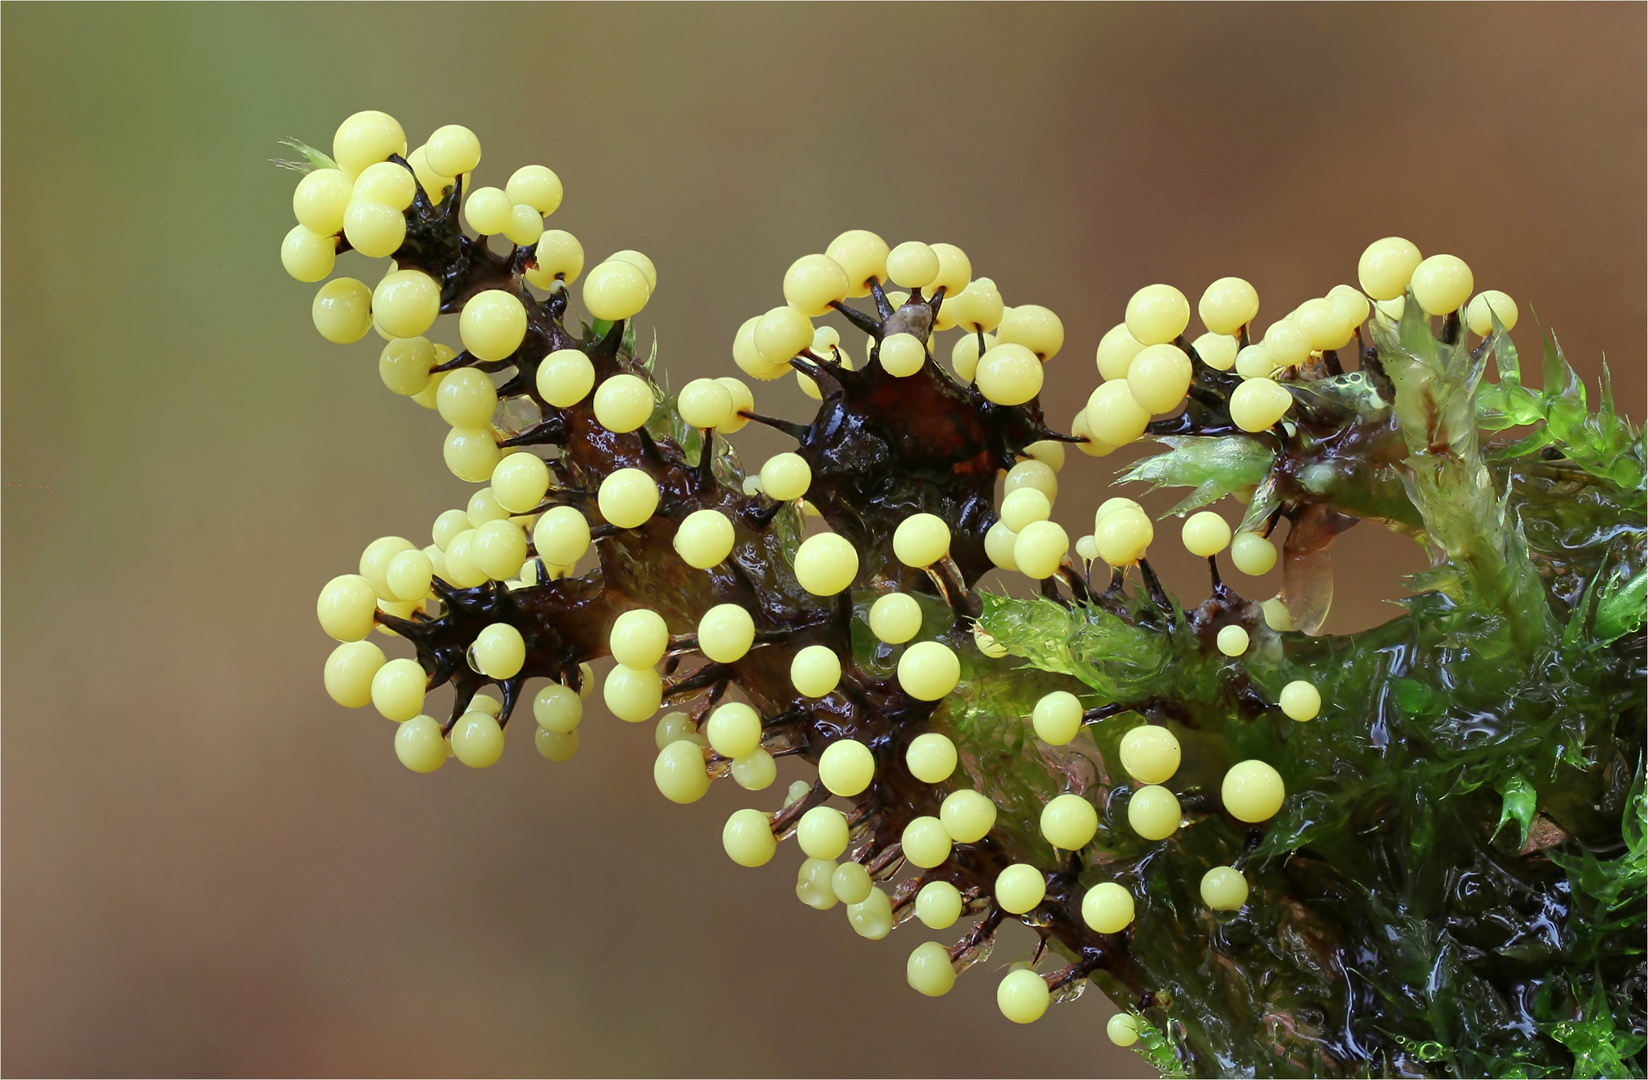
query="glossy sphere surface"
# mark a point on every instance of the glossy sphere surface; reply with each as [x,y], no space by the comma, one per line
[1252,791]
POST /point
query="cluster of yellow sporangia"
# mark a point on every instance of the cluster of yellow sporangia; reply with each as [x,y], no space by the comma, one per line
[508,534]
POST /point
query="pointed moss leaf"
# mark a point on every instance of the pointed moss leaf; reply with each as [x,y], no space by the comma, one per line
[1214,466]
[313,158]
[1519,802]
[1620,612]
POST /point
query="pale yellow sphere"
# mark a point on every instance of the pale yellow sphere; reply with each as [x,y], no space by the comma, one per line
[1034,327]
[1224,889]
[1255,362]
[342,310]
[307,256]
[955,271]
[742,402]
[1252,791]
[862,255]
[1024,505]
[466,399]
[453,150]
[987,644]
[1252,554]
[492,325]
[1040,548]
[1351,306]
[373,229]
[641,263]
[825,564]
[1232,640]
[535,186]
[367,137]
[813,283]
[1069,822]
[1023,996]
[1258,404]
[639,638]
[558,254]
[929,970]
[346,607]
[615,290]
[1153,812]
[1157,314]
[1159,377]
[627,498]
[1114,417]
[779,335]
[846,767]
[725,633]
[448,525]
[554,746]
[1392,309]
[519,482]
[872,917]
[1122,1029]
[1287,343]
[704,403]
[938,905]
[557,708]
[488,210]
[1277,616]
[895,618]
[925,843]
[1032,473]
[524,227]
[921,540]
[1387,266]
[320,199]
[461,568]
[404,365]
[1091,445]
[1150,754]
[931,757]
[674,727]
[1009,374]
[1227,305]
[1442,284]
[815,671]
[928,670]
[1049,452]
[419,744]
[979,307]
[1479,316]
[499,548]
[1217,351]
[1019,888]
[1123,536]
[912,265]
[433,184]
[623,403]
[498,651]
[822,833]
[349,672]
[734,729]
[1116,352]
[851,883]
[704,539]
[561,535]
[967,815]
[786,476]
[998,546]
[398,689]
[1205,534]
[477,740]
[1057,718]
[679,772]
[901,355]
[812,884]
[633,694]
[1108,908]
[748,839]
[1300,700]
[1323,324]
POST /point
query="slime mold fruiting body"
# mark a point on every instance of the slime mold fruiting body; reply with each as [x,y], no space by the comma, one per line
[1416,850]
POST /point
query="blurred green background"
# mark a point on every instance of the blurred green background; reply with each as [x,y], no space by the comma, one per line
[211,869]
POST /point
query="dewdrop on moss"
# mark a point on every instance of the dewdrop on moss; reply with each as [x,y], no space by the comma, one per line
[349,671]
[1153,812]
[1227,305]
[786,477]
[1232,640]
[1150,754]
[1057,718]
[822,833]
[561,535]
[1122,1029]
[1479,317]
[826,563]
[398,689]
[921,540]
[1157,314]
[627,498]
[1224,889]
[1108,908]
[1069,822]
[419,744]
[633,694]
[928,670]
[1252,791]
[557,708]
[1257,404]
[895,618]
[1442,284]
[1252,554]
[725,633]
[846,767]
[1300,700]
[638,638]
[616,290]
[1386,267]
[704,539]
[929,970]
[748,839]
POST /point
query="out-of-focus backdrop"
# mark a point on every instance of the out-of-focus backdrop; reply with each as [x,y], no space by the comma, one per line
[209,868]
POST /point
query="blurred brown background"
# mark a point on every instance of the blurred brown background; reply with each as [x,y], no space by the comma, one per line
[211,869]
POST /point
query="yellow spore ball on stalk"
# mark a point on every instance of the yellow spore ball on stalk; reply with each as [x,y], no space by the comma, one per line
[498,651]
[1217,351]
[1159,377]
[374,562]
[1031,473]
[742,402]
[955,271]
[558,708]
[307,256]
[901,355]
[633,694]
[404,365]
[679,772]
[778,335]
[524,227]
[1123,537]
[466,399]
[1480,314]
[1157,314]
[1024,505]
[453,150]
[1069,822]
[748,839]
[1227,305]
[813,283]
[367,137]
[500,549]
[912,265]
[786,477]
[1116,352]
[1255,362]
[1224,888]
[928,670]
[967,815]
[895,618]
[419,744]
[812,884]
[863,256]
[1300,700]
[1232,640]
[1387,266]
[704,403]
[520,482]
[815,671]
[734,729]
[373,229]
[1122,1029]
[398,689]
[639,638]
[929,971]
[623,403]
[1252,791]
[1108,908]
[561,535]
[1022,996]
[1442,284]
[921,540]
[978,307]
[1150,754]
[342,311]
[492,325]
[1114,416]
[471,453]
[1057,718]
[846,767]
[1153,812]
[931,757]
[616,290]
[627,498]
[349,671]
[320,199]
[674,727]
[1287,343]
[825,564]
[1009,374]
[1034,327]
[555,747]
[1257,404]
[998,546]
[1040,548]
[557,254]
[488,210]
[1019,888]
[822,833]
[938,905]
[477,740]
[1252,554]
[1351,307]
[704,539]
[535,186]
[925,843]
[1205,534]
[346,607]
[725,633]
[1323,323]
[872,917]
